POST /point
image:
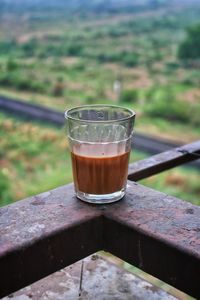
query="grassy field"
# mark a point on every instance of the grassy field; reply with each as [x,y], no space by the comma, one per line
[34,159]
[63,56]
[61,61]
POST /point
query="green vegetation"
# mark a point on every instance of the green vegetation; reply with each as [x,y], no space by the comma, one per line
[163,104]
[190,48]
[129,96]
[65,56]
[63,53]
[74,59]
[35,158]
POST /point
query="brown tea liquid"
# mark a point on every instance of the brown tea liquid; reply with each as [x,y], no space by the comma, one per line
[99,174]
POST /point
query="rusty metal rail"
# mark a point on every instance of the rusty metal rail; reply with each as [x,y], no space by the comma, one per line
[155,232]
[158,233]
[164,161]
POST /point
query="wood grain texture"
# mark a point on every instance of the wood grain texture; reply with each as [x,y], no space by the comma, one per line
[158,233]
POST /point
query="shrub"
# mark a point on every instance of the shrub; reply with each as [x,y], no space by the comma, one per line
[8,46]
[194,115]
[5,193]
[172,66]
[80,66]
[129,96]
[37,86]
[150,94]
[190,47]
[188,81]
[28,84]
[20,82]
[166,106]
[130,59]
[74,49]
[11,64]
[109,57]
[29,48]
[90,99]
[5,79]
[192,78]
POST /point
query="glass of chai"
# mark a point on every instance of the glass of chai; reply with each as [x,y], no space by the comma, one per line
[100,142]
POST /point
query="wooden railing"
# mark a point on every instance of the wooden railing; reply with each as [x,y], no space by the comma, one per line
[156,232]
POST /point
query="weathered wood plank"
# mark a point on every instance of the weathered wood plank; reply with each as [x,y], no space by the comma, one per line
[43,234]
[158,233]
[164,161]
[101,280]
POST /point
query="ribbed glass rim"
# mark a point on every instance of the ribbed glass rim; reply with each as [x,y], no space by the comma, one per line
[71,110]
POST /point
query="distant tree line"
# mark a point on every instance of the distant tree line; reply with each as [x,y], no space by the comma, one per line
[189,49]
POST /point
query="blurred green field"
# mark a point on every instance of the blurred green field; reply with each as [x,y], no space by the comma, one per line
[35,158]
[61,59]
[60,56]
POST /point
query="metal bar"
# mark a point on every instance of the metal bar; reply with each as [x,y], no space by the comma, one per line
[164,161]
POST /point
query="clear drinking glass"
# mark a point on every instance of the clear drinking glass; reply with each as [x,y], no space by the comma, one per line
[100,142]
